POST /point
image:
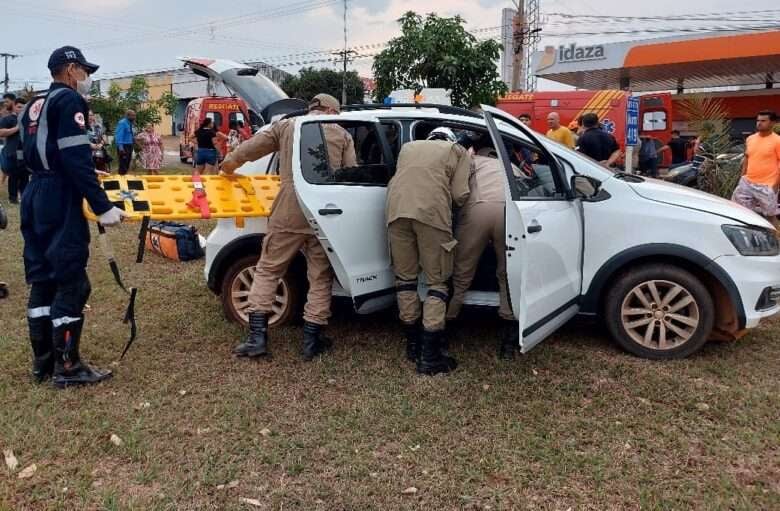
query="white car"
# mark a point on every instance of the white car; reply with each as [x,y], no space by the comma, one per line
[667,267]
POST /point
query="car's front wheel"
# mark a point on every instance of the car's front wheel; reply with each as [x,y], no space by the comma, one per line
[659,311]
[235,294]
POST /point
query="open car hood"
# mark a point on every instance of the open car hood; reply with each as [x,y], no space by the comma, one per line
[668,193]
[260,93]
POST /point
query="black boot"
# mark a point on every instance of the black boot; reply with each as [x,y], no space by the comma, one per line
[69,369]
[432,361]
[256,344]
[510,339]
[40,339]
[314,343]
[412,333]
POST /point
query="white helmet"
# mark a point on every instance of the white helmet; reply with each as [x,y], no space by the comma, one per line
[442,133]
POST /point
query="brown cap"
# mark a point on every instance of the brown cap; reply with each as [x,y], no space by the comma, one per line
[325,101]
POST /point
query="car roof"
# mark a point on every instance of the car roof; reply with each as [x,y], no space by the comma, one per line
[410,113]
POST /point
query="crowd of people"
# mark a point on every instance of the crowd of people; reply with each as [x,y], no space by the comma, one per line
[759,184]
[126,139]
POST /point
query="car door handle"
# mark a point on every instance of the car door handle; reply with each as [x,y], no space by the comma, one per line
[330,211]
[534,228]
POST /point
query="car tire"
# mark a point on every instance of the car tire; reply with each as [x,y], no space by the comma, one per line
[235,294]
[659,312]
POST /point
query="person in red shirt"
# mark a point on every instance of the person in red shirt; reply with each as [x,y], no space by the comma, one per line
[758,187]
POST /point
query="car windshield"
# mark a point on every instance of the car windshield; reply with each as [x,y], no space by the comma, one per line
[257,90]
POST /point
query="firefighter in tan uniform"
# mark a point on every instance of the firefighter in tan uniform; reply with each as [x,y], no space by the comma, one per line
[289,232]
[481,221]
[431,176]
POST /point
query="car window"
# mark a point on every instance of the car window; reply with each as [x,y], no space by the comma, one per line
[372,167]
[236,117]
[217,118]
[654,121]
[534,176]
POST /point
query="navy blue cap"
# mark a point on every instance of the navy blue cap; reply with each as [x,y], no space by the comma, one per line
[68,54]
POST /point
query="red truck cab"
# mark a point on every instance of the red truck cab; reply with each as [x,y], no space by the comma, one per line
[655,111]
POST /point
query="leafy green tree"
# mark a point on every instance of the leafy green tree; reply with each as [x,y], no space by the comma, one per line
[311,82]
[168,102]
[112,106]
[438,52]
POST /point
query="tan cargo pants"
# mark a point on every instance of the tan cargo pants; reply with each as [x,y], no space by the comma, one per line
[279,249]
[479,224]
[414,245]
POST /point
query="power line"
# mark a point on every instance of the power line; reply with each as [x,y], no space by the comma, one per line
[194,30]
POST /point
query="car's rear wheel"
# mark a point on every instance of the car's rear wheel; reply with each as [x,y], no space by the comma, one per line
[235,294]
[659,311]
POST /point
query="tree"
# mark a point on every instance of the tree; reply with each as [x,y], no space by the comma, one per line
[438,52]
[311,82]
[708,118]
[116,102]
[27,93]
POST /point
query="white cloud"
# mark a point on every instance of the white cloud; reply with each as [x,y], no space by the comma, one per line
[96,7]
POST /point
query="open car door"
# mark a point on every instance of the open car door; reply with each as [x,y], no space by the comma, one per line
[544,236]
[346,206]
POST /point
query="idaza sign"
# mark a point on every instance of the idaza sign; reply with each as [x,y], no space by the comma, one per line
[571,53]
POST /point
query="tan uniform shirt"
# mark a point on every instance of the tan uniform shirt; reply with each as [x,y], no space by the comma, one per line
[431,175]
[487,182]
[286,214]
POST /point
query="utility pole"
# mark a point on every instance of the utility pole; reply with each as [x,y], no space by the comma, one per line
[344,54]
[6,56]
[518,29]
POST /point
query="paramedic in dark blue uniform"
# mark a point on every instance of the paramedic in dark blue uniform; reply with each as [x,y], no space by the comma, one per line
[56,235]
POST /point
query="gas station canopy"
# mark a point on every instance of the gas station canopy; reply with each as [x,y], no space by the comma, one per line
[675,63]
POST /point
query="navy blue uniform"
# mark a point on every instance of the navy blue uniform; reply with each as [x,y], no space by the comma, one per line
[58,154]
[13,160]
[56,234]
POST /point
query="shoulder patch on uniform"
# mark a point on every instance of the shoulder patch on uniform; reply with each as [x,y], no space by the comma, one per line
[35,109]
[79,118]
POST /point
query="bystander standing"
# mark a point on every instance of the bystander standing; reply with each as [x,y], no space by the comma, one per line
[758,187]
[597,143]
[151,145]
[123,138]
[6,110]
[678,147]
[13,159]
[560,134]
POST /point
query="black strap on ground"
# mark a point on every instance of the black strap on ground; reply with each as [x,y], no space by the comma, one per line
[133,292]
[139,258]
[130,318]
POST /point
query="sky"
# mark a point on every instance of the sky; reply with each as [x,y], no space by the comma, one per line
[140,35]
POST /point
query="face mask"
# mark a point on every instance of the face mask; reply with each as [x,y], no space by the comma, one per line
[84,86]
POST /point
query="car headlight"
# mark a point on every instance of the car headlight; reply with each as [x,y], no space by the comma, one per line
[752,241]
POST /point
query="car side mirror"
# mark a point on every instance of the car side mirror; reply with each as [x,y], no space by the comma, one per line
[588,188]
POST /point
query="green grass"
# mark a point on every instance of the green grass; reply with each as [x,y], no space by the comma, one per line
[574,424]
